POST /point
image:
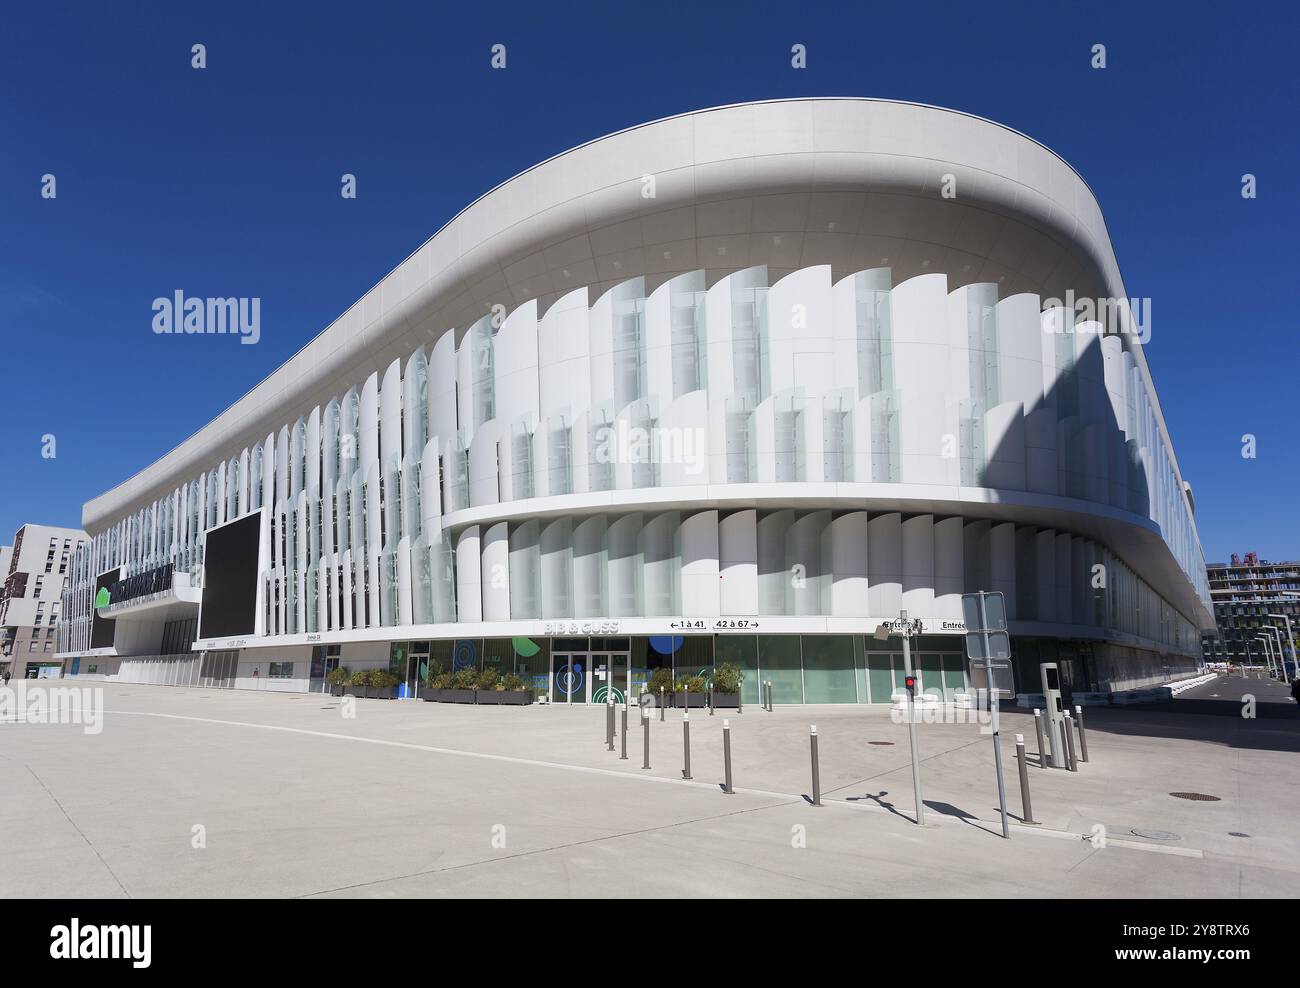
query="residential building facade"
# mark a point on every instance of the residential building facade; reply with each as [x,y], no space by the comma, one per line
[35,572]
[1252,596]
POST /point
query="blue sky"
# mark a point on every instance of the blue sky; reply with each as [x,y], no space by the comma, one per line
[226,182]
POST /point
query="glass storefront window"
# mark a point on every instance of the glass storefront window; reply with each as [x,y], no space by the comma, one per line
[742,651]
[778,663]
[828,669]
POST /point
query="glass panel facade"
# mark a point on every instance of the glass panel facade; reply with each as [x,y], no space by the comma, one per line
[778,664]
[828,669]
[742,651]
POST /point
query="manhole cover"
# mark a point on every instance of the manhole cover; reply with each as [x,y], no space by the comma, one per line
[881,742]
[1200,797]
[1154,834]
[1237,833]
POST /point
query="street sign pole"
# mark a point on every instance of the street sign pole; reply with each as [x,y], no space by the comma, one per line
[997,733]
[911,722]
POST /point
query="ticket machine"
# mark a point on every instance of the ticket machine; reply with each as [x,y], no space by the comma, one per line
[1054,713]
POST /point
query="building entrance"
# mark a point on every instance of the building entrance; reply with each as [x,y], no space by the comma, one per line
[588,677]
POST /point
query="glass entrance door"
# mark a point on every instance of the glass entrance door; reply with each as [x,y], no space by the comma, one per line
[569,679]
[609,670]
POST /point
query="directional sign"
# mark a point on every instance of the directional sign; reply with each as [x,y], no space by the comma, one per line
[988,645]
[995,611]
[1000,671]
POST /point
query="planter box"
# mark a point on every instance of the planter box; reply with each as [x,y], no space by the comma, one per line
[358,691]
[721,700]
[430,694]
[488,697]
[688,700]
[337,690]
[457,696]
[515,698]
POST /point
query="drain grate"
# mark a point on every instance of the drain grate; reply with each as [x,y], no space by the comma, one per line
[1154,834]
[1200,797]
[889,743]
[1237,833]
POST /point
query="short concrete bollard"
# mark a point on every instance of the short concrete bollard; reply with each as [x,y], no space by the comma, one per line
[661,703]
[1028,815]
[726,758]
[645,737]
[710,699]
[623,756]
[1038,728]
[686,744]
[1083,737]
[1071,761]
[609,722]
[816,772]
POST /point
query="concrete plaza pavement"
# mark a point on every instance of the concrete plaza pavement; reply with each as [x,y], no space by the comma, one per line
[407,798]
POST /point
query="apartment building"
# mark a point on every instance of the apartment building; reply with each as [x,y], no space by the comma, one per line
[35,572]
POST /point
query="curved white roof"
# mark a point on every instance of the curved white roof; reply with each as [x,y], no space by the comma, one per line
[854,183]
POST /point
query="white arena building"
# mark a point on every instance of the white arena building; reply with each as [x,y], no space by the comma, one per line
[735,386]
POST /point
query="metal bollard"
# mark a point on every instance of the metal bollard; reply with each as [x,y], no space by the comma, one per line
[661,703]
[686,744]
[817,776]
[1069,743]
[645,737]
[726,758]
[1028,816]
[710,699]
[1038,727]
[623,756]
[609,722]
[1083,735]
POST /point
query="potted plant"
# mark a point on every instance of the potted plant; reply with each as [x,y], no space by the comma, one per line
[463,685]
[690,692]
[434,688]
[514,690]
[359,683]
[726,685]
[487,683]
[338,680]
[382,684]
[660,684]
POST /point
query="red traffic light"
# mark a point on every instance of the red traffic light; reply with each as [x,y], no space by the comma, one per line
[910,682]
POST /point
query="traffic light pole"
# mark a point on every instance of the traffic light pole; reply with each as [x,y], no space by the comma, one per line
[911,719]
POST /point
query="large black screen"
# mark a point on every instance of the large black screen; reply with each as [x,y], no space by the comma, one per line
[230,579]
[101,629]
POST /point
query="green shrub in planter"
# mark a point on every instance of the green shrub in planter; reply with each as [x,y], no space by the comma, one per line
[465,679]
[726,678]
[693,684]
[487,679]
[360,678]
[382,679]
[442,681]
[660,678]
[514,683]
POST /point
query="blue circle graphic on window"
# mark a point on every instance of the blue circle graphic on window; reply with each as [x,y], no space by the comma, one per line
[464,657]
[568,678]
[666,644]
